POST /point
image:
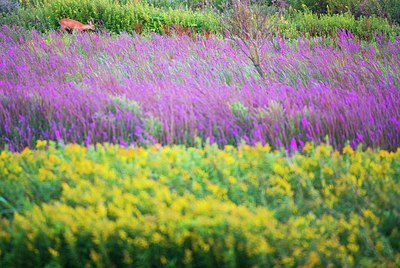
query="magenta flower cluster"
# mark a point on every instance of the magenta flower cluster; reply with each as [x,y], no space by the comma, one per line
[125,89]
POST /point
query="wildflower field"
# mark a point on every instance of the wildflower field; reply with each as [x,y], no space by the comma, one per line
[73,206]
[91,88]
[160,140]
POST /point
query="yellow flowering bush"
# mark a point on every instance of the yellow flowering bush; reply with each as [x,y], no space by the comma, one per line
[107,205]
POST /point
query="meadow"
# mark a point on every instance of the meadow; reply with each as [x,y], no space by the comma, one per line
[125,89]
[162,139]
[174,206]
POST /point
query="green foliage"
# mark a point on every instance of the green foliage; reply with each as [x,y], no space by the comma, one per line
[311,25]
[73,206]
[152,125]
[317,6]
[115,17]
[218,5]
[239,110]
[242,114]
[130,16]
[389,9]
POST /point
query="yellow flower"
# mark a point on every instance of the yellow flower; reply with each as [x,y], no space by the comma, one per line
[348,150]
[288,261]
[279,169]
[41,144]
[163,260]
[157,238]
[243,186]
[54,160]
[188,256]
[196,186]
[384,154]
[313,259]
[205,247]
[46,175]
[53,252]
[231,180]
[353,247]
[94,256]
[327,170]
[122,235]
[141,242]
[308,147]
[370,215]
[4,155]
[25,152]
[127,258]
[379,246]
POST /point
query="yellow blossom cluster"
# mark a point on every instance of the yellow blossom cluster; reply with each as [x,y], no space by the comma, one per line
[249,206]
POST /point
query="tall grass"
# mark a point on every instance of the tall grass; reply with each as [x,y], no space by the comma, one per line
[90,88]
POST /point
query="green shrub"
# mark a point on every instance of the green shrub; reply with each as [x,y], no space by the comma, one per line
[218,5]
[198,207]
[317,6]
[114,17]
[144,18]
[383,8]
[389,9]
[311,25]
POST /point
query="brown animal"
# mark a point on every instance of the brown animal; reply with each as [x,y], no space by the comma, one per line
[74,25]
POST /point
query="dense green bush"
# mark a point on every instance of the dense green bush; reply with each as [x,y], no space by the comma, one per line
[389,9]
[198,207]
[311,25]
[114,17]
[318,6]
[143,18]
[219,5]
